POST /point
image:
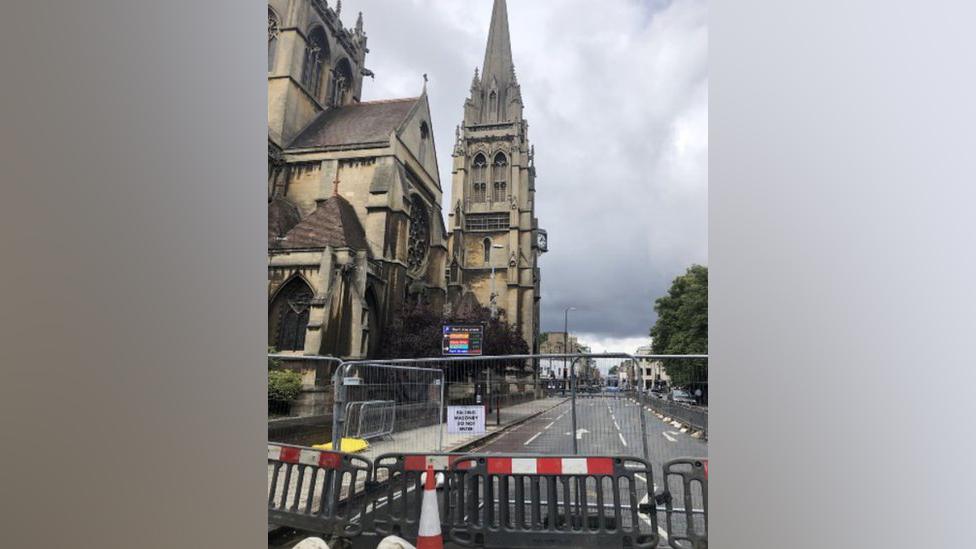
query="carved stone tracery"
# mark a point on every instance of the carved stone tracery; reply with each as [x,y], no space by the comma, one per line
[419,238]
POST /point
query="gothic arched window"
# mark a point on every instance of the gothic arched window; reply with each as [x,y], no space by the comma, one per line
[273,31]
[289,315]
[424,138]
[316,57]
[479,178]
[341,82]
[500,174]
[419,238]
[487,246]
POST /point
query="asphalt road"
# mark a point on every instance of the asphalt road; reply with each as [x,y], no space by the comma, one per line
[606,425]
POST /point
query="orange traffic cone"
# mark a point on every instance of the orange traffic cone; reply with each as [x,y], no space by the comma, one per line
[429,535]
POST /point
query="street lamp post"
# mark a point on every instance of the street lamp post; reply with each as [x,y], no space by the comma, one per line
[491,259]
[566,342]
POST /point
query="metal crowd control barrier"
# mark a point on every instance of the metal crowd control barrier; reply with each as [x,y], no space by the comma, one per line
[693,416]
[370,419]
[525,503]
[396,509]
[316,491]
[691,475]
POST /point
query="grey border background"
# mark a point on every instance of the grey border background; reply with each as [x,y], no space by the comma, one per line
[132,228]
[841,238]
[132,240]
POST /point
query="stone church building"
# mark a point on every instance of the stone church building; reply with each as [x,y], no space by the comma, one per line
[494,231]
[355,225]
[355,222]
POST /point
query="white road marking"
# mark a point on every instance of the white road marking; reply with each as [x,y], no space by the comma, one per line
[622,439]
[672,433]
[548,426]
[652,488]
[535,436]
[669,437]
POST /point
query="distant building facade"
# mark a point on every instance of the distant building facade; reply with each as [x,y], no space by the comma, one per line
[555,372]
[355,225]
[652,373]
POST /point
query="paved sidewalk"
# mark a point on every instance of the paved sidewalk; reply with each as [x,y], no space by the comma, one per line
[435,438]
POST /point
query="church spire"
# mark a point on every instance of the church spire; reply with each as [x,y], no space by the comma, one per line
[498,54]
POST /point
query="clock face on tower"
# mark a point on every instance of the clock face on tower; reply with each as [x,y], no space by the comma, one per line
[542,241]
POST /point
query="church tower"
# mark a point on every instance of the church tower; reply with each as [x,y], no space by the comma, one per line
[495,241]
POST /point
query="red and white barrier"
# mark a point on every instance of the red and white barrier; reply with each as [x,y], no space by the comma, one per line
[550,466]
[287,454]
[429,534]
[438,462]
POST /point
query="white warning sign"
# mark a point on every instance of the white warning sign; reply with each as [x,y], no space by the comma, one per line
[466,420]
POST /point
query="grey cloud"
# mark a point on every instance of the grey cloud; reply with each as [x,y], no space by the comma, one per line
[617,104]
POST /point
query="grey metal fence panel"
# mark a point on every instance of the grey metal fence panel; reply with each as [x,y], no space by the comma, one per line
[528,502]
[686,503]
[694,417]
[370,419]
[306,420]
[316,491]
[374,400]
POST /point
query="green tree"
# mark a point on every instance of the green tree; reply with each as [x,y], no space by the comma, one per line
[682,326]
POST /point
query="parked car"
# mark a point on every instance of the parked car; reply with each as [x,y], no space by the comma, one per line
[682,397]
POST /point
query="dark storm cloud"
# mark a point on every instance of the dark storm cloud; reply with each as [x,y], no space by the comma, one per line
[617,103]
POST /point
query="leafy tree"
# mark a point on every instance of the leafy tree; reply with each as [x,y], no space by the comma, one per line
[613,370]
[682,326]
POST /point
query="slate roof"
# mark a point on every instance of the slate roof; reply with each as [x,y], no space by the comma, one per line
[282,216]
[333,223]
[367,123]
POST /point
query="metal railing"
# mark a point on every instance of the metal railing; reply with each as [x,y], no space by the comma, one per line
[694,417]
[415,395]
[370,419]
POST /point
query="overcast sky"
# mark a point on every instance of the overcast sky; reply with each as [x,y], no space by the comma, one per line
[616,95]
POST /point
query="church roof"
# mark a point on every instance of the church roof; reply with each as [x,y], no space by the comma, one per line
[358,124]
[333,223]
[498,54]
[282,217]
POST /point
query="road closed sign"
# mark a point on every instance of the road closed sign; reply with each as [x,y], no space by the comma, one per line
[466,420]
